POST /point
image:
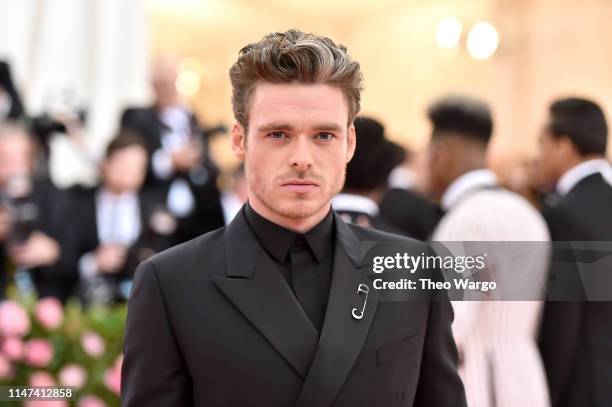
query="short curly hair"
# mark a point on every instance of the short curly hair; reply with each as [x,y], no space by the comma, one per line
[294,56]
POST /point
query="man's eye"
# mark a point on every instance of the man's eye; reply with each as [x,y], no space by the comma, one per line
[325,136]
[277,135]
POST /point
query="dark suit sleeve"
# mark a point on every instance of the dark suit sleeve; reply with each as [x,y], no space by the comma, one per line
[439,382]
[154,372]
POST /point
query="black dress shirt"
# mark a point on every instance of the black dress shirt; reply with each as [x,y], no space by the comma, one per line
[306,260]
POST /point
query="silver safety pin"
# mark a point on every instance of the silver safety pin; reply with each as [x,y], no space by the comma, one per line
[361,289]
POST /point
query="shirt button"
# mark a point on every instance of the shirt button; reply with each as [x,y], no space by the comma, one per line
[299,240]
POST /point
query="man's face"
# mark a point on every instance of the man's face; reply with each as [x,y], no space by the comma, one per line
[437,168]
[296,149]
[16,159]
[551,156]
[165,73]
[125,170]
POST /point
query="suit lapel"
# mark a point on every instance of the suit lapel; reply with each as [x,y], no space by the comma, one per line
[343,336]
[257,288]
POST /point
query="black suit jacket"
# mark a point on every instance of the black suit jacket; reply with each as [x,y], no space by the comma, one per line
[213,323]
[576,337]
[145,121]
[366,220]
[52,210]
[414,215]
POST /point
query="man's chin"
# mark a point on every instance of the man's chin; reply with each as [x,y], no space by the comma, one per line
[299,210]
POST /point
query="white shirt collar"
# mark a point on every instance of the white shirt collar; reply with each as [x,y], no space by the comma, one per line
[354,203]
[106,195]
[465,183]
[579,172]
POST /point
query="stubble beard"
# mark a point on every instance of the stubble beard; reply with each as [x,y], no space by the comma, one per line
[300,206]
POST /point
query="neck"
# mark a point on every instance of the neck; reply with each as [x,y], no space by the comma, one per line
[115,191]
[299,225]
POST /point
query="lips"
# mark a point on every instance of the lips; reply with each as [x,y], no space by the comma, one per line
[300,186]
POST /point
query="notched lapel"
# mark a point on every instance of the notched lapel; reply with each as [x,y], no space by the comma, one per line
[257,288]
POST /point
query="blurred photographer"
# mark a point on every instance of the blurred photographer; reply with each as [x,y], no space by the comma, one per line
[31,214]
[179,159]
[68,156]
[118,224]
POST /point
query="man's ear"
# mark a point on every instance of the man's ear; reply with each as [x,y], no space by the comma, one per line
[351,139]
[567,148]
[238,141]
[442,155]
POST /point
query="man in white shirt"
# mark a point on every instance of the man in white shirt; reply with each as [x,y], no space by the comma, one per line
[576,337]
[500,365]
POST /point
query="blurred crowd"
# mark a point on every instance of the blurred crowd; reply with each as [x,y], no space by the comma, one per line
[159,186]
[156,187]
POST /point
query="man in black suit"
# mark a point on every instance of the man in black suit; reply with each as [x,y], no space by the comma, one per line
[366,176]
[178,155]
[32,216]
[117,225]
[259,313]
[576,337]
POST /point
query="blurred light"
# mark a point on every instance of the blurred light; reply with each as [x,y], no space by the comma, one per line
[448,33]
[189,77]
[483,40]
[188,83]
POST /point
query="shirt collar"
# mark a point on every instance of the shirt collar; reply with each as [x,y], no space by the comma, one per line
[107,196]
[355,203]
[579,172]
[277,240]
[465,183]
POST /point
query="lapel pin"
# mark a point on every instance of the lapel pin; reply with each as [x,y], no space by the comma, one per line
[364,290]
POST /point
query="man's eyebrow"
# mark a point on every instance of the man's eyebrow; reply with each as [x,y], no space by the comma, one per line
[288,127]
[327,127]
[274,127]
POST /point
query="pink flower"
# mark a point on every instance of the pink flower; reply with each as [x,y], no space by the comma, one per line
[112,379]
[93,344]
[72,375]
[38,352]
[13,348]
[41,378]
[91,401]
[49,312]
[6,370]
[14,320]
[45,403]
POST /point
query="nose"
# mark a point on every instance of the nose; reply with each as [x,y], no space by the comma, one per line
[301,155]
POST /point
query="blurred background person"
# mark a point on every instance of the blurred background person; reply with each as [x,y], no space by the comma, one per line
[70,155]
[366,176]
[10,101]
[500,364]
[118,224]
[576,337]
[179,156]
[234,194]
[32,220]
[524,178]
[404,204]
